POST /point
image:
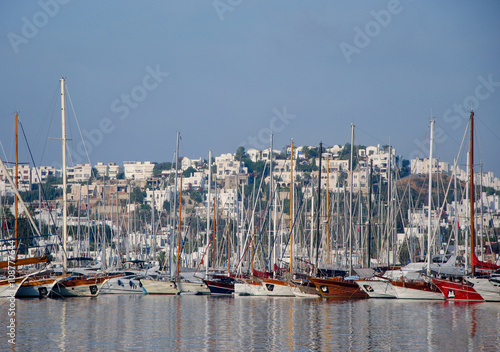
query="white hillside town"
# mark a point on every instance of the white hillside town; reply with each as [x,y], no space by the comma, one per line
[122,197]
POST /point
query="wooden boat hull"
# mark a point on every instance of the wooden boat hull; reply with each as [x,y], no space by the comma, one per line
[77,287]
[218,287]
[37,287]
[338,289]
[157,287]
[9,287]
[458,291]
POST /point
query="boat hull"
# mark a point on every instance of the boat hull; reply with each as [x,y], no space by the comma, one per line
[157,287]
[419,290]
[33,288]
[458,291]
[306,289]
[122,285]
[377,288]
[217,287]
[338,289]
[278,288]
[9,287]
[487,288]
[77,287]
[249,288]
[194,288]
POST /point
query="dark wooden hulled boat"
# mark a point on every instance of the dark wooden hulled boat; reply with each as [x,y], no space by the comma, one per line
[338,288]
[78,286]
[220,284]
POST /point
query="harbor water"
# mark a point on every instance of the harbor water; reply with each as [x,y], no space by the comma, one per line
[209,323]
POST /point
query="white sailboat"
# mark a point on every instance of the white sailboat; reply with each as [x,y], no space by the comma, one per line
[164,285]
[80,283]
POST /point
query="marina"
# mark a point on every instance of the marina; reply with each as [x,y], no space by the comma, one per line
[250,176]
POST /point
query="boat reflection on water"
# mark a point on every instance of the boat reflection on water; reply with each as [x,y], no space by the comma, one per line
[137,322]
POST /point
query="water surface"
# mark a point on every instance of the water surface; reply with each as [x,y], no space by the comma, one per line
[182,323]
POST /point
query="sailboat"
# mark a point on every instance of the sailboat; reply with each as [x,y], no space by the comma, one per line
[186,286]
[10,286]
[274,286]
[421,288]
[408,282]
[163,285]
[123,282]
[82,282]
[467,289]
[339,287]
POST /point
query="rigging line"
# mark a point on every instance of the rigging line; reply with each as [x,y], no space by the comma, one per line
[42,123]
[48,132]
[446,134]
[477,151]
[423,141]
[263,227]
[78,125]
[370,135]
[3,151]
[449,186]
[249,233]
[489,129]
[12,142]
[38,175]
[293,226]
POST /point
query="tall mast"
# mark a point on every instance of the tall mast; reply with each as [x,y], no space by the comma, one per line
[319,206]
[481,243]
[65,196]
[103,246]
[153,222]
[471,195]
[16,173]
[275,208]
[389,207]
[270,195]
[429,202]
[117,224]
[228,244]
[291,207]
[337,230]
[455,225]
[127,244]
[208,207]
[313,220]
[174,209]
[328,211]
[369,235]
[350,200]
[179,237]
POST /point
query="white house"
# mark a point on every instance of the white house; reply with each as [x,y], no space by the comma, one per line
[79,173]
[136,170]
[39,174]
[421,166]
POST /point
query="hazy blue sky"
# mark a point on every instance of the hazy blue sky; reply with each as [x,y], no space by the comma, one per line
[224,73]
